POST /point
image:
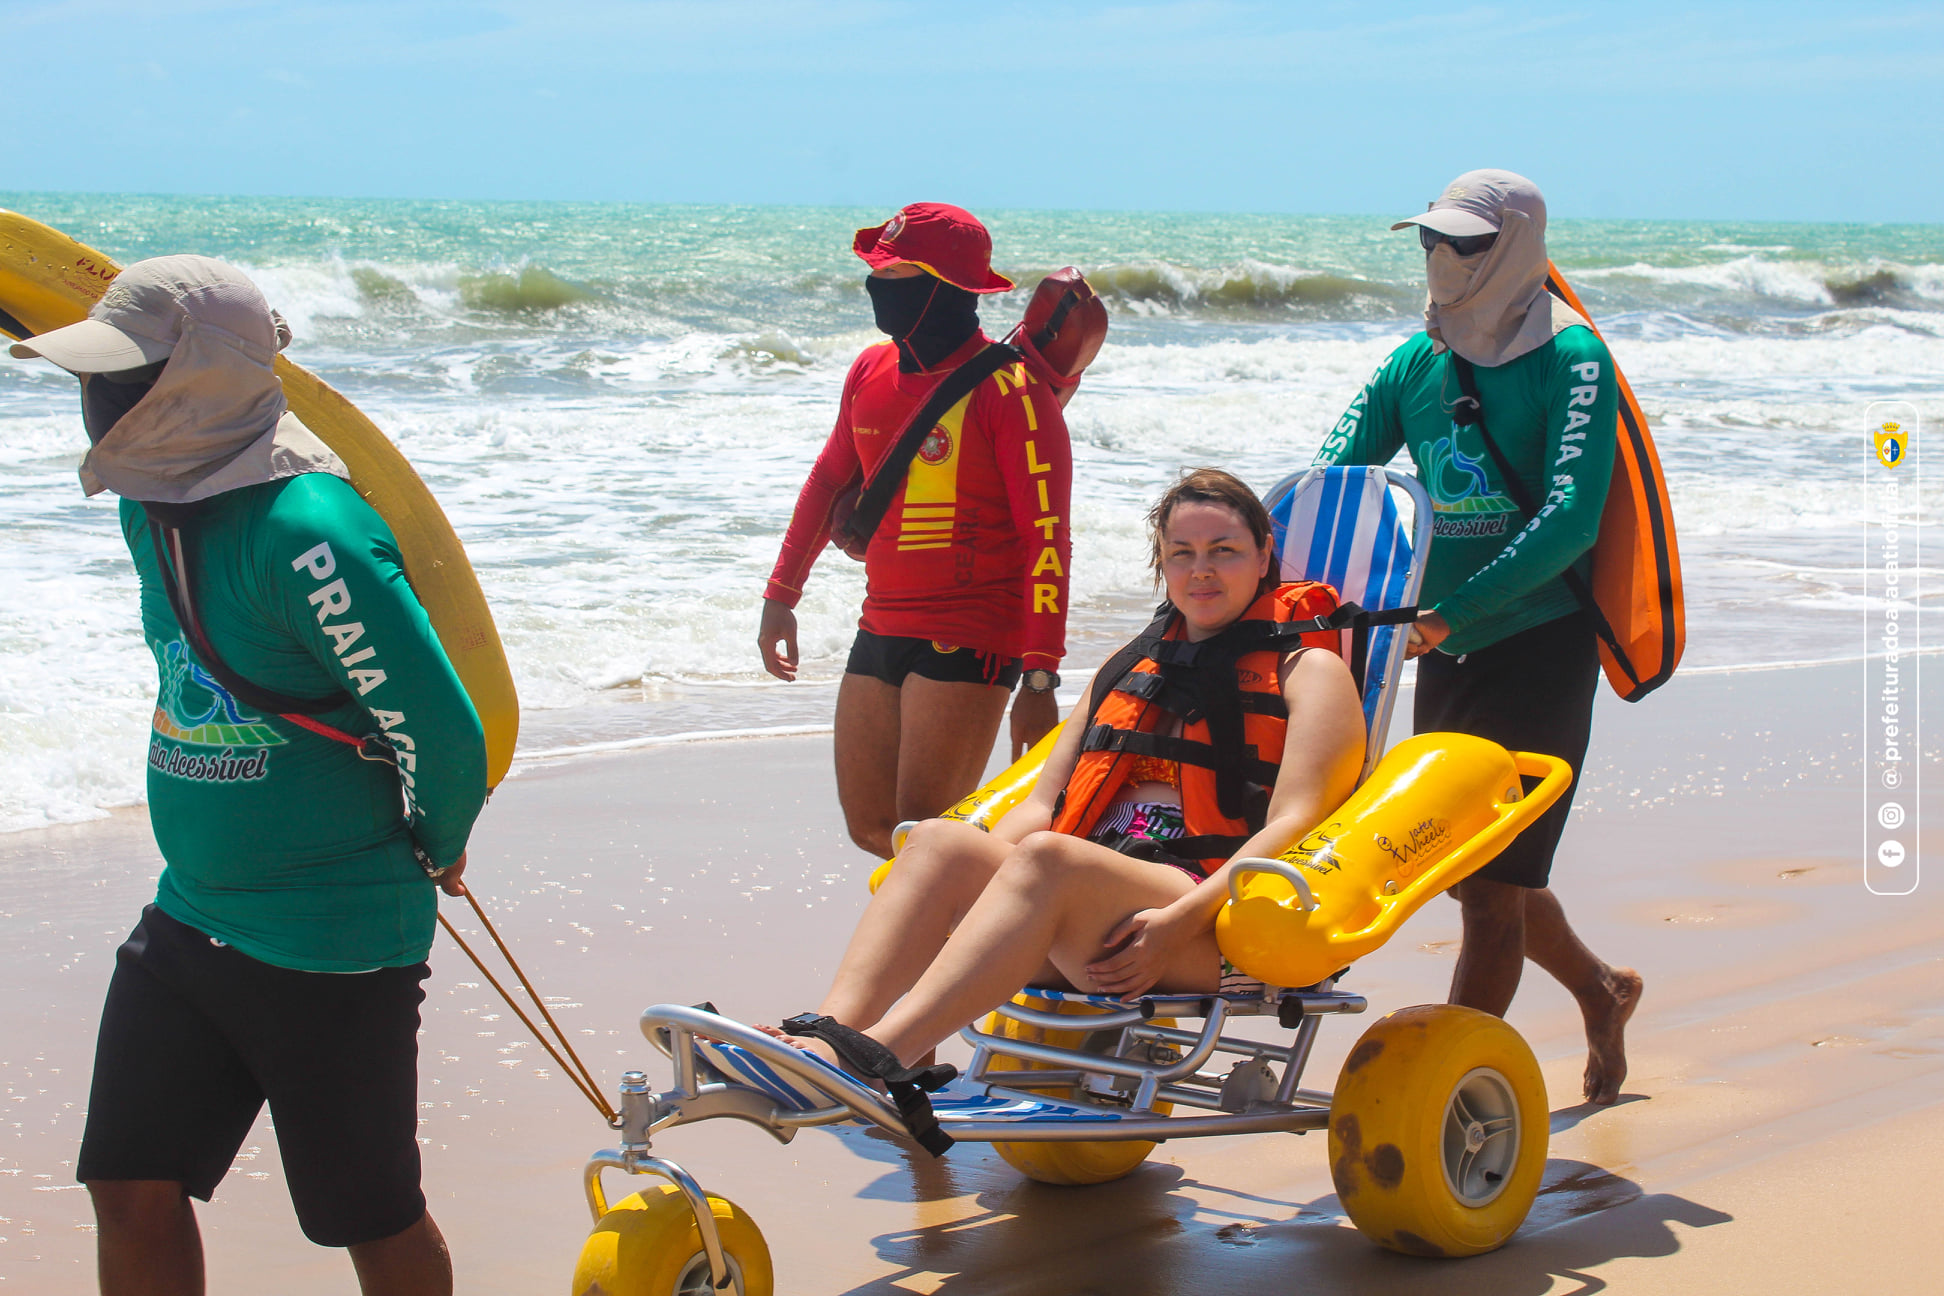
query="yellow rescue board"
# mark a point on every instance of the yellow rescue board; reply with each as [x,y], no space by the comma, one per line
[47,280]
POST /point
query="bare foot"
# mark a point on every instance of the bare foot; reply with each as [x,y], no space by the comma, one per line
[1606,1024]
[804,1044]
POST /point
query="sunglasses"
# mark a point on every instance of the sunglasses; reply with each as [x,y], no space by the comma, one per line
[1463,244]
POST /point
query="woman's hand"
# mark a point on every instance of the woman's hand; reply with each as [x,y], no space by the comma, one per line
[1139,951]
[779,627]
[1427,632]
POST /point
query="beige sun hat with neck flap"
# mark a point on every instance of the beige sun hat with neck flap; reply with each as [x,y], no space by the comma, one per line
[215,419]
[1492,306]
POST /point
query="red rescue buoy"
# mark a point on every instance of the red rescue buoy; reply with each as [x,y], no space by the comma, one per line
[1065,324]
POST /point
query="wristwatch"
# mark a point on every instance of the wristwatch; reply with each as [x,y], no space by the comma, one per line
[432,870]
[1039,681]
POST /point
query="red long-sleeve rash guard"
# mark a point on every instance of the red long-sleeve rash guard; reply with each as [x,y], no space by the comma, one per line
[974,550]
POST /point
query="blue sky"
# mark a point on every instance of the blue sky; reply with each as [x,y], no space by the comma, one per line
[1779,111]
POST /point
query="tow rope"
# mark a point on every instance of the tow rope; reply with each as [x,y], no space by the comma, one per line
[576,1070]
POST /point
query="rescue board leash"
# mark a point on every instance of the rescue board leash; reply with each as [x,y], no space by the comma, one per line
[576,1070]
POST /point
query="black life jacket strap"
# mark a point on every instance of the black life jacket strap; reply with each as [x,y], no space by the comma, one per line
[1183,751]
[1256,636]
[908,1086]
[1187,702]
[167,523]
[1207,846]
[1190,852]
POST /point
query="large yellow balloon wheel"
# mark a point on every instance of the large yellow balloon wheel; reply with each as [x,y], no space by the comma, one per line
[648,1245]
[1065,1163]
[1438,1131]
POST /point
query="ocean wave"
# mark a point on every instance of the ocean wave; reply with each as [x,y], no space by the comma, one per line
[1795,282]
[355,304]
[619,426]
[531,288]
[1247,288]
[769,349]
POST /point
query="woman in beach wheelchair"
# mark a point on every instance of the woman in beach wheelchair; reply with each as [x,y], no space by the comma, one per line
[1200,808]
[1228,729]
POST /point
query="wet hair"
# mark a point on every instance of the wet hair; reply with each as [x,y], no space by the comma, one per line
[1210,486]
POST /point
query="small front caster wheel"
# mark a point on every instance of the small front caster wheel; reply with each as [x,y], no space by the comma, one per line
[649,1245]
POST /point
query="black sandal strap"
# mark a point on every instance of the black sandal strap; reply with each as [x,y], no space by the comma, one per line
[864,1056]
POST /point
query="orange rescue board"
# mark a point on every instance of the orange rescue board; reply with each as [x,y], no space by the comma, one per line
[1636,562]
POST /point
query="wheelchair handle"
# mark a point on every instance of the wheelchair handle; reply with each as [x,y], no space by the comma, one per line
[1238,869]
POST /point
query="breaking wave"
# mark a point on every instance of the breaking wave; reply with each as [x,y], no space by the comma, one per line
[1250,288]
[1788,283]
[531,288]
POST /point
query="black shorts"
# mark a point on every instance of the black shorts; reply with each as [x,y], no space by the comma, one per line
[196,1035]
[891,658]
[1530,692]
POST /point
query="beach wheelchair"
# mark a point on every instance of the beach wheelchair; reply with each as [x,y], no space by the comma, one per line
[1437,1126]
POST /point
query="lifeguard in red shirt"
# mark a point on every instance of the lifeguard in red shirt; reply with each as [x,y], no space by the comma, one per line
[966,577]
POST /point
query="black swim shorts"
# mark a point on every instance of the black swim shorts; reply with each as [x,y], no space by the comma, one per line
[195,1036]
[1532,691]
[892,657]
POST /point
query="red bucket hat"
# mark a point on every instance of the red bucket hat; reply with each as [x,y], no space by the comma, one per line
[939,238]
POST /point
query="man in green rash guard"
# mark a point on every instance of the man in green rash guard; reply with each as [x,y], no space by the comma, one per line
[1504,649]
[282,958]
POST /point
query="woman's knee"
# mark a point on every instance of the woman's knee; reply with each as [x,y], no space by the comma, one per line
[1040,861]
[930,838]
[945,858]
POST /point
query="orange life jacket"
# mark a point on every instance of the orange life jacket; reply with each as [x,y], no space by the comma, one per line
[1225,693]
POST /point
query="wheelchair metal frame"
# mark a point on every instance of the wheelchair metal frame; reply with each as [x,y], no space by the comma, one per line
[1145,1064]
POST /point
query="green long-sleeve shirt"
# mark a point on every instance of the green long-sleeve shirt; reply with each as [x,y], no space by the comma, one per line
[285,844]
[1552,411]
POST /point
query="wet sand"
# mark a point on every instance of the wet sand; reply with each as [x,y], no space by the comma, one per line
[1779,1131]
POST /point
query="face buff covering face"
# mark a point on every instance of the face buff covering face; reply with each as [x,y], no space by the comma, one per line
[927,317]
[1492,306]
[1449,276]
[106,397]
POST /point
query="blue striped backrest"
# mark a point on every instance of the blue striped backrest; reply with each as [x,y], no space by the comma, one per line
[1341,526]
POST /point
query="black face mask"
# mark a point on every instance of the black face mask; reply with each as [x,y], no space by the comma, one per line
[927,317]
[106,397]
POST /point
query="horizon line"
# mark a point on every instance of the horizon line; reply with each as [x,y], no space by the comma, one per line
[8,194]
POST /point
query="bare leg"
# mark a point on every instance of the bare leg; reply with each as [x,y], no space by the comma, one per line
[147,1243]
[1493,953]
[944,867]
[867,760]
[946,735]
[1056,898]
[909,753]
[1607,995]
[1504,924]
[413,1262]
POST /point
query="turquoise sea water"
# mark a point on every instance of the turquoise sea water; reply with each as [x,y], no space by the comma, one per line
[616,404]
